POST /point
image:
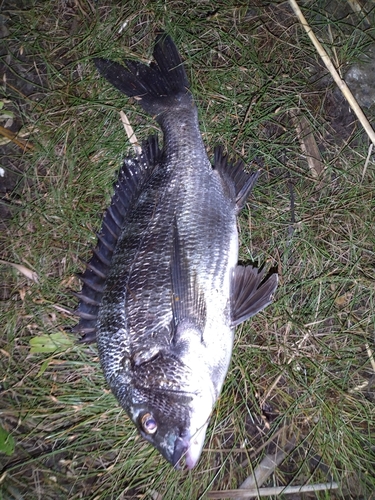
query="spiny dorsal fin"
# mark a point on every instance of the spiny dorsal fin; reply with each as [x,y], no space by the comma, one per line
[252,291]
[131,178]
[234,177]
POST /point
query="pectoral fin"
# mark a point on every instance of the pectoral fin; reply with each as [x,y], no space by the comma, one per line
[188,301]
[252,291]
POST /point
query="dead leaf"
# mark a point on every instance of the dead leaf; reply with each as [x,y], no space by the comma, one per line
[343,300]
[308,143]
[31,275]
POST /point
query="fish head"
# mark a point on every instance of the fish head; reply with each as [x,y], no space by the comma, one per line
[174,425]
[167,410]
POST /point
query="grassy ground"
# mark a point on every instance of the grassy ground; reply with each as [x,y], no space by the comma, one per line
[302,374]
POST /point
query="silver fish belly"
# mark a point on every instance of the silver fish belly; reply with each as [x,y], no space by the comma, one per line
[163,293]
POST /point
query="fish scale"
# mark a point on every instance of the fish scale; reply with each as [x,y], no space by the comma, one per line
[163,291]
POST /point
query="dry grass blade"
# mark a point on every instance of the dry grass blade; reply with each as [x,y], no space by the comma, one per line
[369,153]
[371,356]
[331,68]
[155,495]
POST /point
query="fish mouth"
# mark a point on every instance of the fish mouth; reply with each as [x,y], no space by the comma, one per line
[181,447]
[189,450]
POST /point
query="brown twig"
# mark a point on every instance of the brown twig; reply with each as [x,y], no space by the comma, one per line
[24,145]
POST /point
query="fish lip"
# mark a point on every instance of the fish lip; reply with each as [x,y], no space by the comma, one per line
[190,463]
[181,452]
[196,443]
[181,448]
[189,447]
[184,453]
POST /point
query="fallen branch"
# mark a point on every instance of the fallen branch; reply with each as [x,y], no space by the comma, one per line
[272,491]
[339,81]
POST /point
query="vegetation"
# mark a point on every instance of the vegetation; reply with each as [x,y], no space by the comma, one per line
[302,373]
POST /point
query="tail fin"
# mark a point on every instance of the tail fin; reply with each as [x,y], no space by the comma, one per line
[158,87]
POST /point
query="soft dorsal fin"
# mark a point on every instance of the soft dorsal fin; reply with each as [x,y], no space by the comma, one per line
[252,291]
[188,301]
[238,182]
[134,172]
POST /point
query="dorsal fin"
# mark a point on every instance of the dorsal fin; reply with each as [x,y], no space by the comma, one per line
[131,178]
[251,292]
[234,177]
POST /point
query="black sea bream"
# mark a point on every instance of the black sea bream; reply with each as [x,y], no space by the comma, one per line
[163,292]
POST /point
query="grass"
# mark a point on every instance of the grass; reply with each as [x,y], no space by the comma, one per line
[301,376]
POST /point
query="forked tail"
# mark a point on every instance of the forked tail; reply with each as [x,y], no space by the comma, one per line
[159,87]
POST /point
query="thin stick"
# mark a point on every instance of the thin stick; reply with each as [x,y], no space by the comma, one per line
[130,133]
[340,83]
[272,491]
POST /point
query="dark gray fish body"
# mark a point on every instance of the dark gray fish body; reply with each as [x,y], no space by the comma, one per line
[163,291]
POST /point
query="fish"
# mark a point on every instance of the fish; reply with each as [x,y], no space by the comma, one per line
[163,291]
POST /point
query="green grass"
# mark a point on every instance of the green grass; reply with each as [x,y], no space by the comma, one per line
[300,370]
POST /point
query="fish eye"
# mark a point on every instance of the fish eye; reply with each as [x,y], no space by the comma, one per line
[148,424]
